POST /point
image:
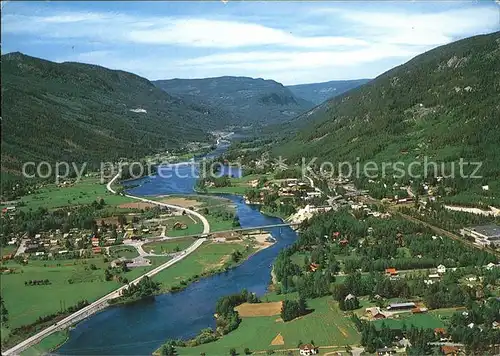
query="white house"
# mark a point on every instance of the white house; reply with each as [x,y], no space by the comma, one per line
[490,266]
[441,269]
[308,349]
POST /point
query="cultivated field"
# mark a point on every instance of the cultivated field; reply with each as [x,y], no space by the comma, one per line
[326,326]
[180,201]
[259,309]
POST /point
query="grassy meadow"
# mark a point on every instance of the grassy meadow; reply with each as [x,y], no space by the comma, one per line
[84,192]
[325,325]
[123,251]
[169,246]
[27,303]
[207,258]
[47,344]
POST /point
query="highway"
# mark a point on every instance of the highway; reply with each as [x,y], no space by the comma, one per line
[103,302]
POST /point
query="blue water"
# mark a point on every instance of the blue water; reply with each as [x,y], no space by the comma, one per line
[140,328]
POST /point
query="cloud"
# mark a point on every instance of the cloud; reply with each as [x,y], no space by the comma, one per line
[270,61]
[311,42]
[413,28]
[189,32]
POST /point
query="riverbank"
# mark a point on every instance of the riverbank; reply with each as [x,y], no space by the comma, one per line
[48,344]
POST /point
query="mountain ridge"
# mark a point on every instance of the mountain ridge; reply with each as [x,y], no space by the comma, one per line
[320,92]
[442,104]
[83,112]
[249,101]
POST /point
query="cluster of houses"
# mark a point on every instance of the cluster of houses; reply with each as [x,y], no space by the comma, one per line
[55,242]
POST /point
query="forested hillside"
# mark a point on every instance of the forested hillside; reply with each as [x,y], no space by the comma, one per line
[443,104]
[319,92]
[79,112]
[247,101]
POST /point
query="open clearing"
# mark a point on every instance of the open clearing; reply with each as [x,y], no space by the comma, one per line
[259,309]
[184,202]
[326,325]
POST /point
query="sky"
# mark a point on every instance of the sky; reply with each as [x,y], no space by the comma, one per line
[290,42]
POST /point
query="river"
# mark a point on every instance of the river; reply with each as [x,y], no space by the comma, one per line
[140,328]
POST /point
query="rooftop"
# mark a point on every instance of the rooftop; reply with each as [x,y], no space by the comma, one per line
[491,230]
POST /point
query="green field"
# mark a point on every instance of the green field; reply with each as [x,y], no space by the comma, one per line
[194,226]
[47,344]
[84,192]
[238,185]
[169,246]
[123,251]
[326,326]
[7,250]
[426,321]
[219,224]
[207,258]
[26,303]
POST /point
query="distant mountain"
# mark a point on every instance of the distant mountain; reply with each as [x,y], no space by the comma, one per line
[320,92]
[80,112]
[443,104]
[247,101]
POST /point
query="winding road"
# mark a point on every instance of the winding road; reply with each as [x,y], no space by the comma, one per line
[103,302]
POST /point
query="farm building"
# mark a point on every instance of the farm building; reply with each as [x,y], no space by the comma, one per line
[401,306]
[379,316]
[308,349]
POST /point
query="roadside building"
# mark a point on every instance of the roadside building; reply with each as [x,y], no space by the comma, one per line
[441,269]
[391,272]
[308,349]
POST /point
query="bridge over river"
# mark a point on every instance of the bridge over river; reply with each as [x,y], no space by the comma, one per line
[243,229]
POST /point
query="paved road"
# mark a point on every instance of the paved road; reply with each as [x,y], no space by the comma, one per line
[206,225]
[102,302]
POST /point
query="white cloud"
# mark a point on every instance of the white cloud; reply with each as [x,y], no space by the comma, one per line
[403,27]
[190,32]
[338,42]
